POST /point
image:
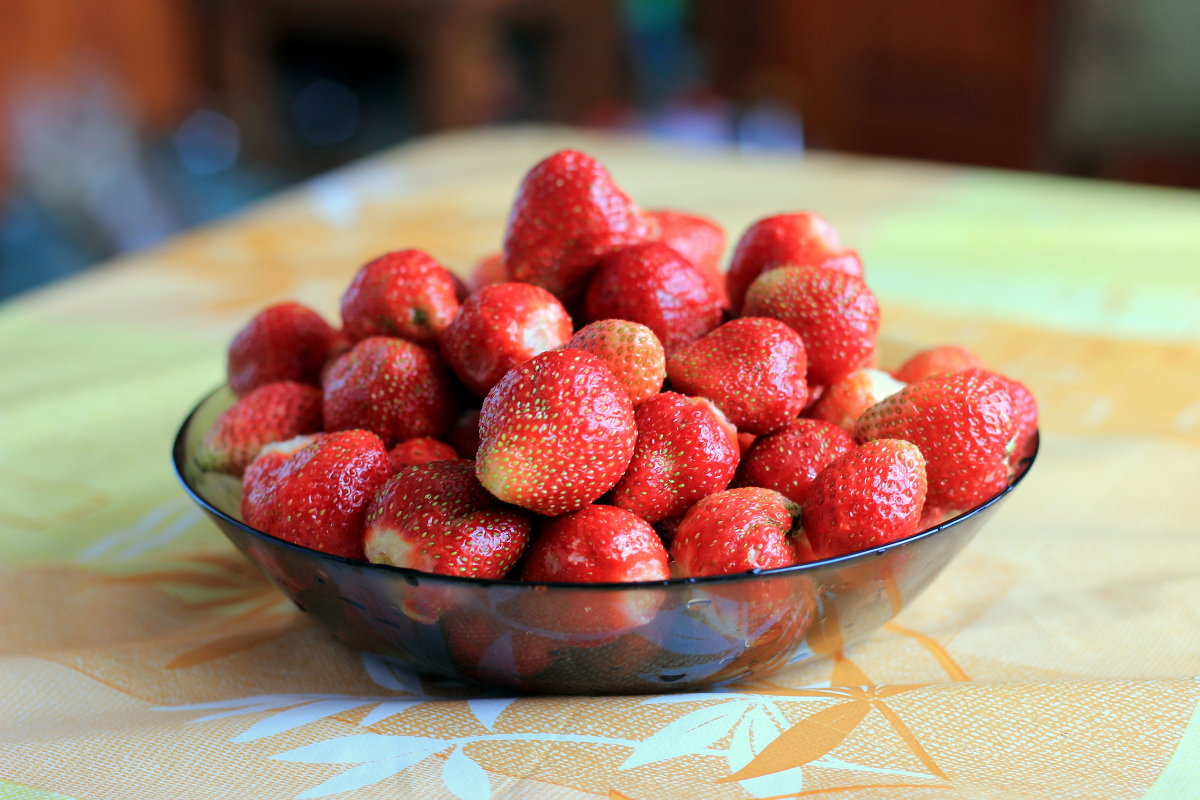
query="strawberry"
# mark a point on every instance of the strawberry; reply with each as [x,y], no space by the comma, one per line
[491,652]
[555,433]
[465,434]
[405,293]
[392,387]
[844,401]
[596,544]
[318,496]
[835,314]
[421,450]
[489,270]
[499,327]
[866,497]
[788,460]
[937,361]
[630,350]
[685,450]
[568,214]
[283,342]
[270,413]
[258,479]
[656,286]
[751,368]
[736,530]
[963,423]
[698,239]
[800,240]
[744,442]
[1025,410]
[435,517]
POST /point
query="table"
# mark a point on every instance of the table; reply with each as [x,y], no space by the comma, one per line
[1057,657]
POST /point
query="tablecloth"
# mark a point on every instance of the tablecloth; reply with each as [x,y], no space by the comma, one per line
[1057,657]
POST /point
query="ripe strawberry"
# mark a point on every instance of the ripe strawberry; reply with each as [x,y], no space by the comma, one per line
[491,652]
[866,497]
[788,460]
[630,350]
[799,240]
[392,387]
[405,293]
[736,530]
[963,423]
[751,368]
[465,434]
[270,413]
[937,361]
[421,450]
[656,286]
[835,314]
[435,517]
[555,433]
[258,479]
[1025,410]
[744,442]
[844,401]
[596,544]
[318,496]
[499,327]
[568,214]
[283,342]
[685,450]
[489,270]
[698,239]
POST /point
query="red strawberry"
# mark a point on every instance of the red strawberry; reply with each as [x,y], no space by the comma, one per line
[788,460]
[597,544]
[685,450]
[568,214]
[1025,410]
[844,401]
[435,517]
[835,314]
[867,497]
[630,350]
[499,327]
[283,342]
[270,413]
[390,386]
[751,368]
[489,270]
[744,442]
[318,497]
[654,285]
[555,433]
[963,422]
[258,480]
[421,450]
[405,293]
[492,652]
[799,240]
[736,530]
[937,361]
[465,434]
[698,239]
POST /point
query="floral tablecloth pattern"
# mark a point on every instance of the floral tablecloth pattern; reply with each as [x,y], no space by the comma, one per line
[1057,657]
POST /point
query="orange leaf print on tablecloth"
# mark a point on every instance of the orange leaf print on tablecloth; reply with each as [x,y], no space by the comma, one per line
[806,741]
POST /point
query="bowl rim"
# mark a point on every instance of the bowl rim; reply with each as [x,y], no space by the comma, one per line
[177,455]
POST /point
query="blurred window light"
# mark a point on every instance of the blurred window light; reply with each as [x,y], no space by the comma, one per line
[207,143]
[326,112]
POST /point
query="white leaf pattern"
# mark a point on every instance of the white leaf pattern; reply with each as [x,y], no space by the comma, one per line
[691,733]
[295,718]
[360,747]
[488,709]
[365,774]
[385,710]
[464,778]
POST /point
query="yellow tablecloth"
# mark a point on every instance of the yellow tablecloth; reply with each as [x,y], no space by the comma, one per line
[1057,657]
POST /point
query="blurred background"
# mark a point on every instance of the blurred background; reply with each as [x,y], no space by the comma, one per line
[124,121]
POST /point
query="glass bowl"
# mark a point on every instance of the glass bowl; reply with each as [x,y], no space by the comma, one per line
[562,638]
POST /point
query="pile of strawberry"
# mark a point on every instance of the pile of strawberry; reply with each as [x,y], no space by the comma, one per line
[697,423]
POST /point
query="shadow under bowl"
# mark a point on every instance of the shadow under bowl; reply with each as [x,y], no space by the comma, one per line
[561,638]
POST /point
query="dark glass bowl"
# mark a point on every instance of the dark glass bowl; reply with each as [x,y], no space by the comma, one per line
[561,638]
